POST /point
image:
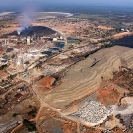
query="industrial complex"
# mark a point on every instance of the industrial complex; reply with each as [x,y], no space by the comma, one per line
[62,74]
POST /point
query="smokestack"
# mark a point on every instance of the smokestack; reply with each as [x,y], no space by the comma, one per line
[5,42]
[19,30]
[28,40]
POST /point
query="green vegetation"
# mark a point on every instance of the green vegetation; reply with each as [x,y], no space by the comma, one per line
[33,112]
[91,16]
[30,106]
[14,115]
[3,67]
[13,56]
[11,77]
[27,62]
[51,55]
[31,127]
[5,85]
[107,45]
[70,47]
[89,53]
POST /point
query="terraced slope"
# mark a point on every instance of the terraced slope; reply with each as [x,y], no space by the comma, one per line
[128,57]
[82,79]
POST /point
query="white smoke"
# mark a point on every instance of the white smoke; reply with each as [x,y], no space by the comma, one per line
[20,29]
[27,17]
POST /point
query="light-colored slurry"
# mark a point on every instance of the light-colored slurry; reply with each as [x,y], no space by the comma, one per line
[129,110]
[93,114]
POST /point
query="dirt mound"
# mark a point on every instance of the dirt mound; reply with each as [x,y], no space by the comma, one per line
[108,96]
[46,82]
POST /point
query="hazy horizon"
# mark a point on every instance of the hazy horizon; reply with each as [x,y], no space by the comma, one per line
[18,5]
[5,4]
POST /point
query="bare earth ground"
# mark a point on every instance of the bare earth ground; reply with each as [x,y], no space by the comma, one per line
[50,121]
[86,79]
[80,81]
[105,28]
[108,96]
[120,35]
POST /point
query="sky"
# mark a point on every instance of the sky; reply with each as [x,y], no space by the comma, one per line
[20,3]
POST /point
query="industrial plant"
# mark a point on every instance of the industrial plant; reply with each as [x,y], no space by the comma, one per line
[62,73]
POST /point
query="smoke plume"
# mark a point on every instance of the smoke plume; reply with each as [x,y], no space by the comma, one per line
[27,17]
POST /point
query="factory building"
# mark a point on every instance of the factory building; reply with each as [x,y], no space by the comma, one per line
[28,40]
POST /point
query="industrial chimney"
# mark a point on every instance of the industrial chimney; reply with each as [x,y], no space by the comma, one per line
[28,40]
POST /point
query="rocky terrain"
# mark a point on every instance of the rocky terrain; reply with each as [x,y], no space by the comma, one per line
[87,75]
